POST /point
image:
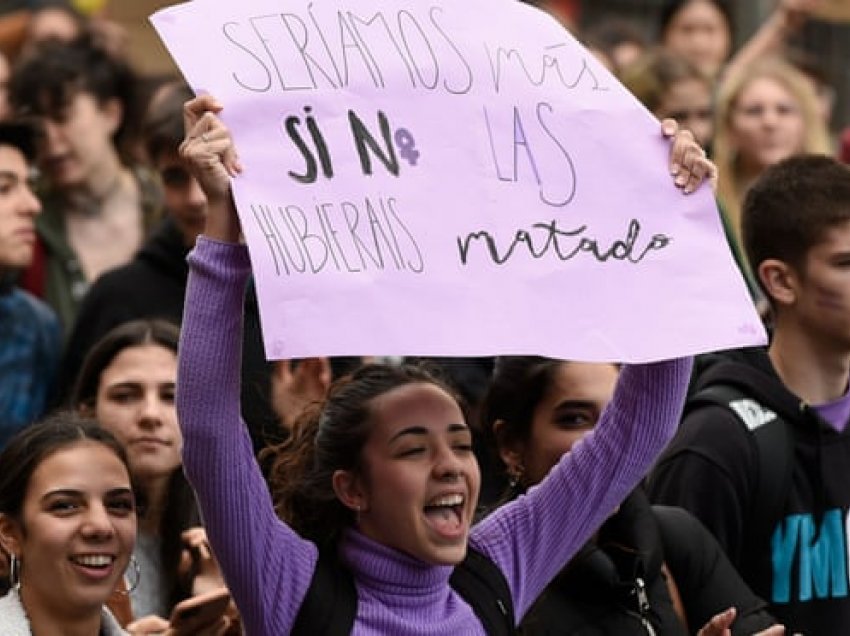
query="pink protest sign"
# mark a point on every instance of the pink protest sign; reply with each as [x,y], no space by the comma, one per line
[455,177]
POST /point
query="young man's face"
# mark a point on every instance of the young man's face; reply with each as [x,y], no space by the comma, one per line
[77,142]
[18,209]
[184,199]
[823,295]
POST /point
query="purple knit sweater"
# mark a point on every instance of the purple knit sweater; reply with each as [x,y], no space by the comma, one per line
[268,567]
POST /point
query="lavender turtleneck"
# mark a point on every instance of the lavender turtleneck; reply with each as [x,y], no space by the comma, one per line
[268,567]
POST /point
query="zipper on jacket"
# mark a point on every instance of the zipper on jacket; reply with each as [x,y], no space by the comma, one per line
[643,606]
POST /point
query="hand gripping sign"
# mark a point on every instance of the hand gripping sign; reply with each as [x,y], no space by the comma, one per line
[454,177]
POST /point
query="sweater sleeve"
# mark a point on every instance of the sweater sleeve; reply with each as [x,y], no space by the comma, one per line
[534,536]
[266,565]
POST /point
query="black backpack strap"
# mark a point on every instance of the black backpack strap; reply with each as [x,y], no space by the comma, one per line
[481,583]
[774,442]
[330,605]
[776,465]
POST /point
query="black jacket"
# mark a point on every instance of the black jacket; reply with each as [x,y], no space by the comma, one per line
[599,592]
[798,559]
[153,285]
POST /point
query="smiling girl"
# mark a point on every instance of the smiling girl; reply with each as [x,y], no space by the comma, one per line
[68,520]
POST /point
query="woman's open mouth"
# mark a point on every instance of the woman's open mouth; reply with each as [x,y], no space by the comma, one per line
[445,515]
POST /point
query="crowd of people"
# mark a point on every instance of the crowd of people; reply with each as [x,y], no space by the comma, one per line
[159,476]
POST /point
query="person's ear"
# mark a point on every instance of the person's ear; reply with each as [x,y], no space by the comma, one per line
[511,451]
[349,490]
[779,280]
[10,535]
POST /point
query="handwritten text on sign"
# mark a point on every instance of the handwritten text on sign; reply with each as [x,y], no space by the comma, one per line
[454,178]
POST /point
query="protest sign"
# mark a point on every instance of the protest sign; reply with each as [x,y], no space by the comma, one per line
[454,177]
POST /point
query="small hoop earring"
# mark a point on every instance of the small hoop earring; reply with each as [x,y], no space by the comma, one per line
[137,577]
[14,571]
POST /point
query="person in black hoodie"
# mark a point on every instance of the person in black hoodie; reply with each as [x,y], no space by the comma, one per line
[153,284]
[796,227]
[648,569]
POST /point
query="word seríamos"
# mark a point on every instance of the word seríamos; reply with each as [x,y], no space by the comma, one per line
[290,52]
[549,239]
[346,236]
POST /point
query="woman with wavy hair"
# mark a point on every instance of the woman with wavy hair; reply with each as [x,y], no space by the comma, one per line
[765,112]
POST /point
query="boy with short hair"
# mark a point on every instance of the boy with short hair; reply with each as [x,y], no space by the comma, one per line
[30,340]
[796,228]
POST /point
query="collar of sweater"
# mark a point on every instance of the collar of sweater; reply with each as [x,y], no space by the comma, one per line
[14,622]
[13,619]
[387,570]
